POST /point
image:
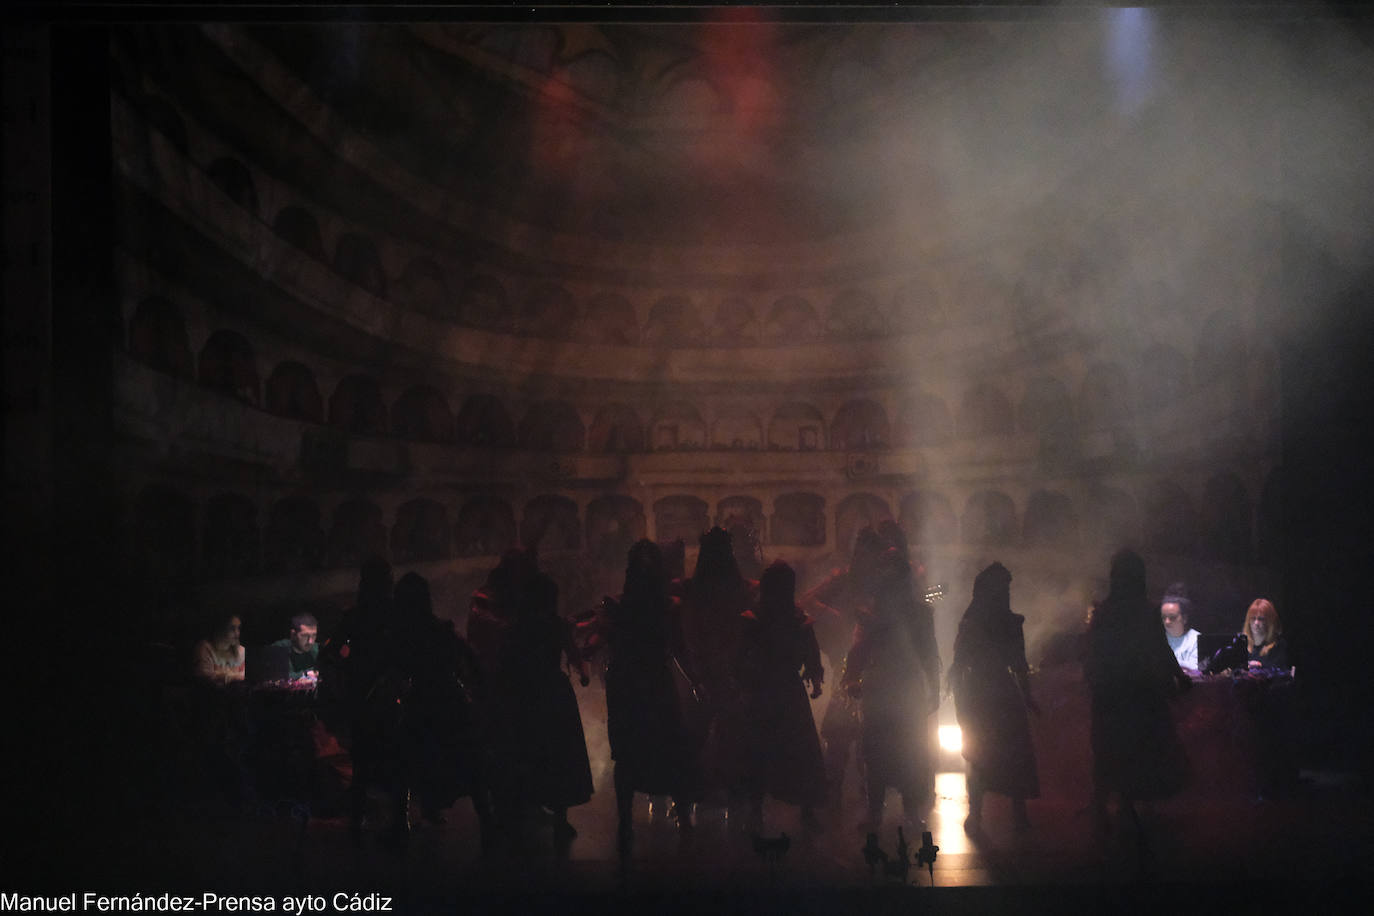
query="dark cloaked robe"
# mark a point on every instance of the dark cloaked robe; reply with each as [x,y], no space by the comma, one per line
[769,743]
[644,717]
[711,621]
[441,727]
[897,665]
[1132,675]
[489,627]
[711,610]
[550,760]
[989,676]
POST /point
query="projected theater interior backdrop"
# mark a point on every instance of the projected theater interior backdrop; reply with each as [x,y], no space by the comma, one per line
[428,291]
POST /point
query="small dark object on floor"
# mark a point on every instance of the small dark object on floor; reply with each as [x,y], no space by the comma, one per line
[873,853]
[900,867]
[926,854]
[772,849]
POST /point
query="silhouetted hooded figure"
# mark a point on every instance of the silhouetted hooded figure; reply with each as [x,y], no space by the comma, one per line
[715,597]
[441,744]
[776,749]
[361,632]
[649,743]
[490,625]
[374,685]
[1132,674]
[548,755]
[894,670]
[991,685]
[836,605]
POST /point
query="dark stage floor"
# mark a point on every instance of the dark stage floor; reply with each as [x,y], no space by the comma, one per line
[1213,850]
[1301,848]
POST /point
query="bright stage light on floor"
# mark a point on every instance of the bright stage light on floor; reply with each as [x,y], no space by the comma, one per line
[951,738]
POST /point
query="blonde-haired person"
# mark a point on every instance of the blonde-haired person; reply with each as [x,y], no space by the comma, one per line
[1273,701]
[1265,644]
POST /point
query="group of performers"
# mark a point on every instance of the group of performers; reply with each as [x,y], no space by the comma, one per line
[709,681]
[405,679]
[889,672]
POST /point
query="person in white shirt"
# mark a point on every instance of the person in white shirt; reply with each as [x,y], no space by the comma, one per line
[1173,612]
[219,659]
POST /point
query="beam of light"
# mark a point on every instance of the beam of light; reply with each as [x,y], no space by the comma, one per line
[1130,54]
[947,817]
[951,738]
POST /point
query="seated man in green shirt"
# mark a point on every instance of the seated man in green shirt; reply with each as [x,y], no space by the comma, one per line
[305,651]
